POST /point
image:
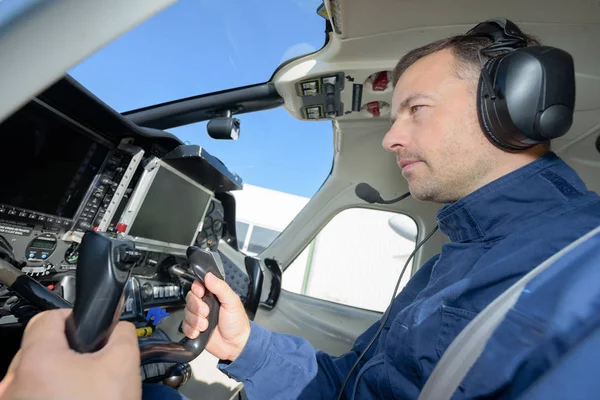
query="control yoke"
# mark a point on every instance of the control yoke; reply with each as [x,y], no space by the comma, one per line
[103,269]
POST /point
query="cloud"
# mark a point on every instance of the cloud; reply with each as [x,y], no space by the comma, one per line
[232,62]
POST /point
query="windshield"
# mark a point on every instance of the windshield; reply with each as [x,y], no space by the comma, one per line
[200,46]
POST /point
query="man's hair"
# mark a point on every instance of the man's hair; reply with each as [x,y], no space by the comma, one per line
[465,48]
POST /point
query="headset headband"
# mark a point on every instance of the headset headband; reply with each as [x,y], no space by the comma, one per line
[504,34]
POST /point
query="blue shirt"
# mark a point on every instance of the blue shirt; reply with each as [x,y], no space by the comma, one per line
[548,344]
[497,234]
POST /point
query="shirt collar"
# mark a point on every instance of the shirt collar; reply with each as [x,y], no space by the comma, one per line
[496,209]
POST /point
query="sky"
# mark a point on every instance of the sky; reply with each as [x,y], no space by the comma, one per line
[200,46]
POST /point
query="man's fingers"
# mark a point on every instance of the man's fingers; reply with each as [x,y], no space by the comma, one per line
[195,305]
[198,289]
[195,321]
[221,289]
[47,327]
[189,331]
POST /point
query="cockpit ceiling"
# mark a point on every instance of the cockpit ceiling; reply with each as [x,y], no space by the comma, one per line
[370,37]
[358,18]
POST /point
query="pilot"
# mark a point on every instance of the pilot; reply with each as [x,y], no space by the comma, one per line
[504,212]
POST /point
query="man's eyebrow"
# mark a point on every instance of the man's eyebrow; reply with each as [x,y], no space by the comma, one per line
[415,96]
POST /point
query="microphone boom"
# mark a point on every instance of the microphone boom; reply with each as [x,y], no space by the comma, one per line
[369,194]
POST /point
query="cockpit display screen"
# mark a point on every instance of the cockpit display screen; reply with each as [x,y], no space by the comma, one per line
[46,166]
[172,210]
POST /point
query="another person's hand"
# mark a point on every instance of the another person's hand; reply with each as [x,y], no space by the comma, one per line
[232,332]
[46,368]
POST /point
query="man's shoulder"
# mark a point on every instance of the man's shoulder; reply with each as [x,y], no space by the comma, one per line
[587,207]
[560,226]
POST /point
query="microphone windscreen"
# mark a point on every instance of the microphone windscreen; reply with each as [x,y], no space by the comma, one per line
[367,193]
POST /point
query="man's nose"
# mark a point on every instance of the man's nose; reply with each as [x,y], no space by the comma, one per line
[395,137]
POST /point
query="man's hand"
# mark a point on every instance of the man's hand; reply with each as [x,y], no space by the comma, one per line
[233,329]
[46,368]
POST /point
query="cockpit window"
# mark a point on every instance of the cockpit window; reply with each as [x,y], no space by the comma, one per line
[196,47]
[282,162]
[200,46]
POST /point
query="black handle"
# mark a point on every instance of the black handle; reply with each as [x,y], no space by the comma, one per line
[156,350]
[276,275]
[255,276]
[152,350]
[103,268]
[29,289]
[37,294]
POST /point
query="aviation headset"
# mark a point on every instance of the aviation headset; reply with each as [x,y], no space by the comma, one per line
[527,95]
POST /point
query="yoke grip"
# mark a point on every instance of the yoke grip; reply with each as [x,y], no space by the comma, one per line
[103,269]
[184,351]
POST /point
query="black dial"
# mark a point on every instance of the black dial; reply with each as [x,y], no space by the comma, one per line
[72,253]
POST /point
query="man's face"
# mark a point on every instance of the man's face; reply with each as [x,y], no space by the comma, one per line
[435,132]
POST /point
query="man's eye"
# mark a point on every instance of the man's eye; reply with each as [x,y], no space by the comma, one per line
[414,109]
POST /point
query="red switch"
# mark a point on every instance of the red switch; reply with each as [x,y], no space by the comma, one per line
[51,287]
[380,82]
[121,227]
[373,108]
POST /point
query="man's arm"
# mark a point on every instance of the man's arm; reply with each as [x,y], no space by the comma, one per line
[271,365]
[279,366]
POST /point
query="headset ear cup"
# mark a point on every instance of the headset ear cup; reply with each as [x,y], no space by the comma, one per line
[525,96]
[494,116]
[484,118]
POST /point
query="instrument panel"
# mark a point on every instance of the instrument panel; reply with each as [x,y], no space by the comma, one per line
[62,178]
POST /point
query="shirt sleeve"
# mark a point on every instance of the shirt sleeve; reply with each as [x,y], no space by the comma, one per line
[280,366]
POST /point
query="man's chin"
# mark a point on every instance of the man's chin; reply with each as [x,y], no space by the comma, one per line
[423,193]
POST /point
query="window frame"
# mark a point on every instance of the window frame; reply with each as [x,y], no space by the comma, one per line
[245,244]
